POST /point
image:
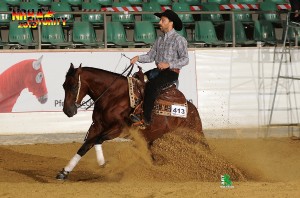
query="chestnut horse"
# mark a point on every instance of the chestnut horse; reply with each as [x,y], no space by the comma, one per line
[111,112]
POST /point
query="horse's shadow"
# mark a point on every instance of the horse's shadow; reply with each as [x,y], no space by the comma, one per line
[36,168]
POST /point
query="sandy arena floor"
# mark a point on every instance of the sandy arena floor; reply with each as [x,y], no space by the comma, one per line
[182,168]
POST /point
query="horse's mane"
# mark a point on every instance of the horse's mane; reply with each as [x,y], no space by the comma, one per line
[72,72]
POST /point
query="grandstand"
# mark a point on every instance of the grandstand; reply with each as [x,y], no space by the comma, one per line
[131,23]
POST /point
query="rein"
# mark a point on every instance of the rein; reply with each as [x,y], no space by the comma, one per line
[130,68]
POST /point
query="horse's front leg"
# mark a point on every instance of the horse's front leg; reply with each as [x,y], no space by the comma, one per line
[91,139]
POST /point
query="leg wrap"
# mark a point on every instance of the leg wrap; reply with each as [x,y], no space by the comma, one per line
[73,162]
[99,154]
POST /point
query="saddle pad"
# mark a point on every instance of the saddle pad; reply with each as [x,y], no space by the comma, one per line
[133,87]
[167,108]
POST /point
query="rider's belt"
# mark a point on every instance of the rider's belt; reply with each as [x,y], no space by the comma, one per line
[175,70]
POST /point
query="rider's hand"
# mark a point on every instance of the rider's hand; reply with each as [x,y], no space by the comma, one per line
[163,65]
[134,60]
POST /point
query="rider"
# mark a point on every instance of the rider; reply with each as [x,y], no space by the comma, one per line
[170,54]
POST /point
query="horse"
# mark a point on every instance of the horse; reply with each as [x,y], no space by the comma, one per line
[25,74]
[110,93]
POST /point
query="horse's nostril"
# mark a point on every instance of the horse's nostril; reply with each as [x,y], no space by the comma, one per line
[70,112]
[43,99]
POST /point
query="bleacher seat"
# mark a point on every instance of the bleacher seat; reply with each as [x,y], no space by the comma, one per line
[144,33]
[125,19]
[191,2]
[30,6]
[261,26]
[264,32]
[151,7]
[95,19]
[20,37]
[183,7]
[240,35]
[247,1]
[54,36]
[76,3]
[245,18]
[103,2]
[116,35]
[272,17]
[4,18]
[12,2]
[2,43]
[42,2]
[60,7]
[183,33]
[205,33]
[133,2]
[277,1]
[215,18]
[84,35]
[162,2]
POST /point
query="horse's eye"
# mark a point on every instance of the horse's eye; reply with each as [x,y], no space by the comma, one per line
[74,89]
[39,77]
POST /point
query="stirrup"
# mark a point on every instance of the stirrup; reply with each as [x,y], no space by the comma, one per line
[134,118]
[141,124]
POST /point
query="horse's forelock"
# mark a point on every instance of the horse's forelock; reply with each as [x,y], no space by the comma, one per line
[71,71]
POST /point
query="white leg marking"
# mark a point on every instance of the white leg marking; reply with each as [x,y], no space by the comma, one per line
[99,154]
[73,162]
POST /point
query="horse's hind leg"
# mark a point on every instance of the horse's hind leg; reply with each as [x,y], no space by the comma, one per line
[107,135]
[99,154]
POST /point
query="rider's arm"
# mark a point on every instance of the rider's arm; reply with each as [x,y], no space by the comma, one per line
[182,51]
[150,56]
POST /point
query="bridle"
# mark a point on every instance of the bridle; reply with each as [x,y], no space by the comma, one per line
[78,91]
[130,68]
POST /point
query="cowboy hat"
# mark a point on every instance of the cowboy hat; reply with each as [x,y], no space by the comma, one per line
[172,16]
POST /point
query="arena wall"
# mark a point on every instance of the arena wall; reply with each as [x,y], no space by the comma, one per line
[232,88]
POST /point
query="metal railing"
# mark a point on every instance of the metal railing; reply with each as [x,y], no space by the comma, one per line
[109,13]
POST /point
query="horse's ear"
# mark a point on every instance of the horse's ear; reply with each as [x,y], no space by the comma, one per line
[71,69]
[37,63]
[79,68]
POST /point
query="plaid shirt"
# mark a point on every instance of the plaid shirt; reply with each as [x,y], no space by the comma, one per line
[170,48]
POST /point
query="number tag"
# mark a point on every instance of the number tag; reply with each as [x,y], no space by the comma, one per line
[178,111]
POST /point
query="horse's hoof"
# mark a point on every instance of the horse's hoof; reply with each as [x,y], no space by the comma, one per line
[102,166]
[62,175]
